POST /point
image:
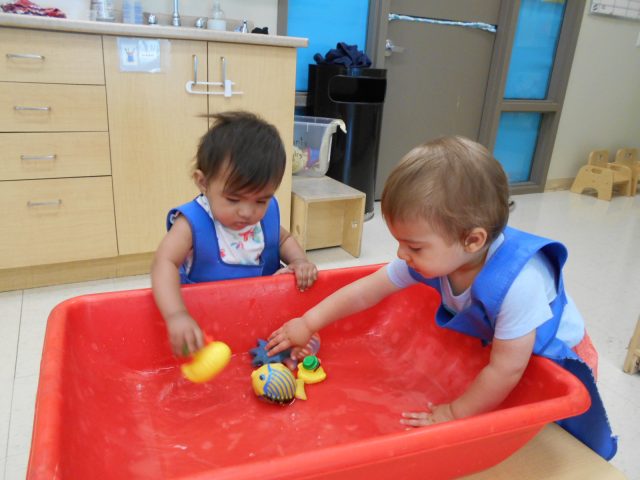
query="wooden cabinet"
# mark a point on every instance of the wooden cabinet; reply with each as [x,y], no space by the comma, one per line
[154,126]
[53,124]
[266,77]
[93,157]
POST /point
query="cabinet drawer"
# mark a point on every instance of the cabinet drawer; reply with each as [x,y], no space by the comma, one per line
[25,156]
[48,57]
[52,221]
[31,107]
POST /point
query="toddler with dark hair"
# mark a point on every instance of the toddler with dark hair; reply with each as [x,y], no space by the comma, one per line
[232,229]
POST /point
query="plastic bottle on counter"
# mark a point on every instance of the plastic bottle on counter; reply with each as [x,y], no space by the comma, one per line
[102,11]
[132,11]
[217,20]
[128,13]
[137,12]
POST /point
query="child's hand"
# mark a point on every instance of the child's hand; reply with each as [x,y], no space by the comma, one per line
[438,414]
[306,272]
[185,335]
[294,333]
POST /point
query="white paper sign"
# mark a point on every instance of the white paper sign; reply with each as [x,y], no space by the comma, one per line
[618,8]
[139,55]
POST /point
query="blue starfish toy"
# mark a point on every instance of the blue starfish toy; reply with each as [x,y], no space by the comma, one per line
[260,356]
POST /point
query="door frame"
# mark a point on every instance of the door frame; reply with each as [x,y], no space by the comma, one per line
[494,101]
[550,108]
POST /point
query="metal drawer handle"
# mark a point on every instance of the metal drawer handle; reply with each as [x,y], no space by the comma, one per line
[38,157]
[30,56]
[39,109]
[57,203]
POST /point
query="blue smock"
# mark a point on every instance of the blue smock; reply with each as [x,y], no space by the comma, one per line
[487,293]
[207,265]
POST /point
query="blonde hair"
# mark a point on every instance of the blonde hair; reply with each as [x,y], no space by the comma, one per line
[453,183]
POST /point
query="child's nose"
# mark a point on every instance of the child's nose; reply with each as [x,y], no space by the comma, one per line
[245,211]
[402,253]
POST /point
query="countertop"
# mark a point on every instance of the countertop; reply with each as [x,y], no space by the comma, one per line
[153,31]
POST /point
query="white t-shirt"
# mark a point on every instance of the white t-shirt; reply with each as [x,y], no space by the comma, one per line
[237,247]
[525,306]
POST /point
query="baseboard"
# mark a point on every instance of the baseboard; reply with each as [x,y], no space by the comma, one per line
[72,272]
[558,184]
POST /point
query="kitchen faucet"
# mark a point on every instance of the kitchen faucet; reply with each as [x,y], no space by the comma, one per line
[175,20]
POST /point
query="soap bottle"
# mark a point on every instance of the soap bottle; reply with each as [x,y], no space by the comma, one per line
[128,13]
[132,11]
[102,10]
[137,12]
[217,20]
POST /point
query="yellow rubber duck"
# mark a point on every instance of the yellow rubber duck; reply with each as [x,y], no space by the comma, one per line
[207,362]
[310,371]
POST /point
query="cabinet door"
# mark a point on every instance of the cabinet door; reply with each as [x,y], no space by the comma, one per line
[266,77]
[154,127]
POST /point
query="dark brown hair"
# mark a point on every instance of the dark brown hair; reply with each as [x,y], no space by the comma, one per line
[453,183]
[246,148]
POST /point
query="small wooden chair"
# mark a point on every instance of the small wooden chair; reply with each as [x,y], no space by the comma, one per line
[632,362]
[629,158]
[602,176]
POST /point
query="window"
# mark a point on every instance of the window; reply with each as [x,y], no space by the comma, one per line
[525,94]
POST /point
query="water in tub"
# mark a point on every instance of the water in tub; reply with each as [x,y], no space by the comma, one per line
[375,371]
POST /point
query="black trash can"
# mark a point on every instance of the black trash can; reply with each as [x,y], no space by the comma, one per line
[355,95]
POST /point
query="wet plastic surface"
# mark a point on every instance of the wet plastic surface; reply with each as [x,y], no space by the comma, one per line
[112,402]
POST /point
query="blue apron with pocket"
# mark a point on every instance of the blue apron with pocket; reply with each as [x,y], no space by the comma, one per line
[478,320]
[207,265]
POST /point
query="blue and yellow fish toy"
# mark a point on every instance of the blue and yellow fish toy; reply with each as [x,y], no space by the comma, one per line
[274,382]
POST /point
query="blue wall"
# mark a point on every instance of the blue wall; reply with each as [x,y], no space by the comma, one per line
[325,23]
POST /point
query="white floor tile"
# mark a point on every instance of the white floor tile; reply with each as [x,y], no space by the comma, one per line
[132,283]
[22,410]
[16,468]
[10,308]
[30,347]
[5,416]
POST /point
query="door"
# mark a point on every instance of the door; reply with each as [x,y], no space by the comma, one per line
[436,73]
[266,77]
[154,127]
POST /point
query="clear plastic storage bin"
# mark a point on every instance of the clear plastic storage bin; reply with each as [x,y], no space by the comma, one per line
[312,144]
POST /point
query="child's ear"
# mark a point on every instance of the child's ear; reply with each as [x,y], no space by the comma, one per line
[200,180]
[476,240]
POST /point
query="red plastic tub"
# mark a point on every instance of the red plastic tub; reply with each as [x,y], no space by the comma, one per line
[112,402]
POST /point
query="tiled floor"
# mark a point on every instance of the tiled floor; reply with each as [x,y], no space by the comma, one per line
[602,275]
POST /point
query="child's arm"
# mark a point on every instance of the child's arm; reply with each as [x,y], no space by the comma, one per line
[352,298]
[508,361]
[297,262]
[165,282]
